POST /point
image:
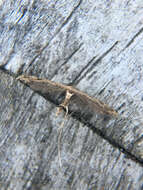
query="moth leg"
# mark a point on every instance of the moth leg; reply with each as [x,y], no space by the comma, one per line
[65,103]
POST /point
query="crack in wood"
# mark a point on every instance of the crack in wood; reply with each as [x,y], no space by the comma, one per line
[77,78]
[67,59]
[56,33]
[133,39]
[84,113]
[89,66]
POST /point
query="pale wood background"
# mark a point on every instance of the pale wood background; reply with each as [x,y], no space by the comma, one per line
[97,46]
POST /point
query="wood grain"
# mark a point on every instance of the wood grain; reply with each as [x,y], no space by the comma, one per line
[74,42]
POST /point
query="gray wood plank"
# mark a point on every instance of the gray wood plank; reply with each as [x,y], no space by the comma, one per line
[94,46]
[29,130]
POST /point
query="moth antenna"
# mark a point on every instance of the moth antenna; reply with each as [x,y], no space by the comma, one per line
[59,141]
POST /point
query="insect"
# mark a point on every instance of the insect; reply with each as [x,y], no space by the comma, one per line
[49,89]
[84,103]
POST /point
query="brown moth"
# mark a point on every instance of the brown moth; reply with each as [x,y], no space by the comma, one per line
[45,87]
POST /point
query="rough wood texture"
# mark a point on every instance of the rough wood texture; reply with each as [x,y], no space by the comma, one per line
[97,47]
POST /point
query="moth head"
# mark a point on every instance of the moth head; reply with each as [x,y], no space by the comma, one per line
[26,79]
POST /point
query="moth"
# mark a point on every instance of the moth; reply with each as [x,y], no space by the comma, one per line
[72,96]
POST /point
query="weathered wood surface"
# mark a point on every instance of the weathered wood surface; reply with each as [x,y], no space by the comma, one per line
[97,47]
